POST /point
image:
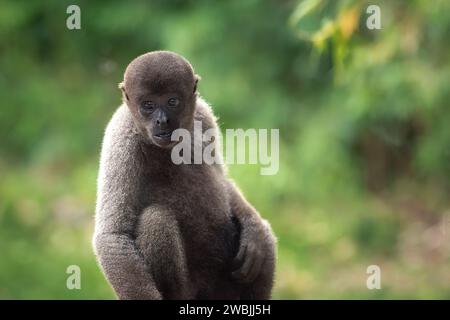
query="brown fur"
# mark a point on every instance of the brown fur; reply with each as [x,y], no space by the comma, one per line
[166,231]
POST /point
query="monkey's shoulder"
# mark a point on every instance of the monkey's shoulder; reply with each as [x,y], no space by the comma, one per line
[205,114]
[121,122]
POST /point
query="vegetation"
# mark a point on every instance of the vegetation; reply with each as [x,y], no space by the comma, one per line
[363,118]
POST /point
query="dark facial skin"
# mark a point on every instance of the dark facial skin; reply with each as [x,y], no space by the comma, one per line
[160,90]
[160,115]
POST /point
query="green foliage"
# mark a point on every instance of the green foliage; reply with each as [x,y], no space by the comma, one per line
[363,118]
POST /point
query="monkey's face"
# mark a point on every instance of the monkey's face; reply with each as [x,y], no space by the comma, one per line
[160,90]
[161,114]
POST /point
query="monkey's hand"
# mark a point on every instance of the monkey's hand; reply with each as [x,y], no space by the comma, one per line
[257,244]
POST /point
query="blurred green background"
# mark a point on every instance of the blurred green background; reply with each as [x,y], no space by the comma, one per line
[363,118]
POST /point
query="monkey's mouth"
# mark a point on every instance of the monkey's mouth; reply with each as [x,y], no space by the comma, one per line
[166,135]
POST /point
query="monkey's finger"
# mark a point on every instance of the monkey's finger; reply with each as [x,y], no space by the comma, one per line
[255,269]
[241,275]
[239,259]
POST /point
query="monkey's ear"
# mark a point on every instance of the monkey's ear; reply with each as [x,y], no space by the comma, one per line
[197,79]
[122,88]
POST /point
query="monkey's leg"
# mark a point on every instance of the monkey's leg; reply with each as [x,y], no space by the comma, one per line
[261,288]
[159,240]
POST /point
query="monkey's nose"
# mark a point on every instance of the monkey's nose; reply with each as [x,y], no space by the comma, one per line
[158,121]
[163,120]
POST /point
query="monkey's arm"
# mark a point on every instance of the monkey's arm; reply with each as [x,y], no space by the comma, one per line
[116,217]
[257,241]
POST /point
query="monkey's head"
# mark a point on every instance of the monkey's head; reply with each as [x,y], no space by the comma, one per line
[160,89]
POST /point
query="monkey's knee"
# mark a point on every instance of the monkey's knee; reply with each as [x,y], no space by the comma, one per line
[159,240]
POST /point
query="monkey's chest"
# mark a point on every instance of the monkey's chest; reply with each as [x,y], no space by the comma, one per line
[200,203]
[207,224]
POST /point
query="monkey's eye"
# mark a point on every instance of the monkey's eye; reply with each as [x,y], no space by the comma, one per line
[148,106]
[173,102]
